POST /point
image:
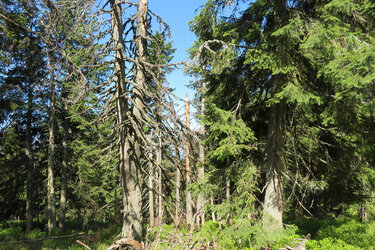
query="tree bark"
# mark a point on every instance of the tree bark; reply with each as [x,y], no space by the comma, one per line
[30,161]
[362,213]
[160,176]
[178,187]
[273,204]
[122,108]
[273,201]
[227,186]
[200,199]
[151,189]
[51,155]
[189,202]
[64,165]
[213,213]
[135,180]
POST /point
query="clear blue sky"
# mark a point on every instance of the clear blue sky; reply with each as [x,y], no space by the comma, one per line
[177,14]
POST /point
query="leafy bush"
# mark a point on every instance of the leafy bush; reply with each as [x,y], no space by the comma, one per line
[36,233]
[11,234]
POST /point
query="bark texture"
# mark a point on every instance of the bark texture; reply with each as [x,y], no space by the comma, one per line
[273,201]
[51,157]
[200,199]
[64,165]
[160,177]
[122,108]
[151,188]
[189,201]
[30,161]
[134,181]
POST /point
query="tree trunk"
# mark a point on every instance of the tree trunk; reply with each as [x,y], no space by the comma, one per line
[227,191]
[135,180]
[122,108]
[273,204]
[64,165]
[178,187]
[151,188]
[273,201]
[51,156]
[200,200]
[189,202]
[362,213]
[227,186]
[213,213]
[160,174]
[30,162]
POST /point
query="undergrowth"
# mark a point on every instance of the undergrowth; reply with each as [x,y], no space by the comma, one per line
[329,233]
[339,233]
[99,236]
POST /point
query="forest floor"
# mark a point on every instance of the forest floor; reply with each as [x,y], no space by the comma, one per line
[328,233]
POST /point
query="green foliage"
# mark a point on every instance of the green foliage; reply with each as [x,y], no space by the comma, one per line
[231,135]
[344,232]
[11,234]
[101,237]
[252,236]
[349,231]
[330,243]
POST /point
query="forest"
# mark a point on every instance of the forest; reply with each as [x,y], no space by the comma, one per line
[94,153]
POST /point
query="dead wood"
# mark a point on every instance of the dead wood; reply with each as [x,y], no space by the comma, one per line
[127,244]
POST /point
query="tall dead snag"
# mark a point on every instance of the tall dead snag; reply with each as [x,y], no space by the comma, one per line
[200,199]
[178,187]
[122,107]
[64,165]
[151,188]
[135,138]
[189,202]
[30,160]
[160,174]
[51,153]
[159,107]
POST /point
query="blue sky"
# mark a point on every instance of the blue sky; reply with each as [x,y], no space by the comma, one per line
[177,14]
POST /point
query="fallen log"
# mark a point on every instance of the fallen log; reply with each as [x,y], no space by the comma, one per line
[126,243]
[301,244]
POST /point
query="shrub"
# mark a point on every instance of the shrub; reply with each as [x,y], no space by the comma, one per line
[11,234]
[350,231]
[329,243]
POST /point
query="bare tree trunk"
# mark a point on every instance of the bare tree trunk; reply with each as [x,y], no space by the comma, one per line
[178,198]
[227,191]
[213,213]
[135,181]
[227,186]
[200,200]
[30,161]
[189,203]
[64,166]
[160,176]
[151,189]
[51,155]
[122,108]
